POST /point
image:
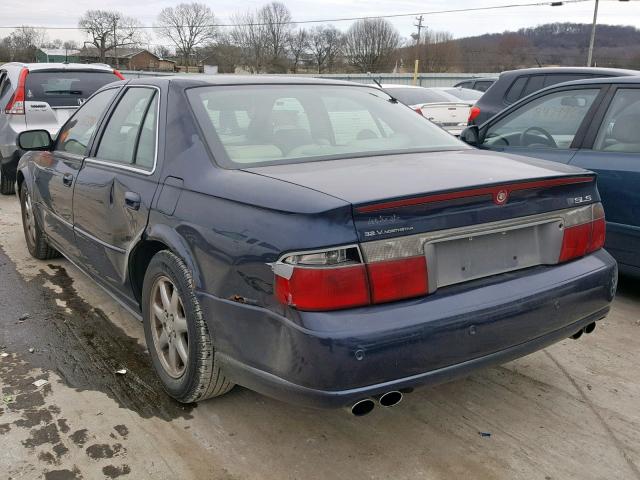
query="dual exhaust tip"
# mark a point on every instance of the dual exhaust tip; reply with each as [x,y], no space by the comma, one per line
[588,329]
[366,405]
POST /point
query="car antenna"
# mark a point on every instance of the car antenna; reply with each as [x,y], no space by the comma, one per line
[375,80]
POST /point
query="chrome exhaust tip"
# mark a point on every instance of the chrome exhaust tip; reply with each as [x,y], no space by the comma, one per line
[362,407]
[577,335]
[390,399]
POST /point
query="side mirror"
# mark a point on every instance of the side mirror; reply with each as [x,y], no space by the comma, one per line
[35,140]
[471,135]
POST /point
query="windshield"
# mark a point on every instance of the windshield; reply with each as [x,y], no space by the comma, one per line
[65,89]
[464,93]
[255,125]
[415,96]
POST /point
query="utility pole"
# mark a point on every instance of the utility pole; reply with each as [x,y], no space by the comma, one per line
[115,45]
[593,34]
[417,63]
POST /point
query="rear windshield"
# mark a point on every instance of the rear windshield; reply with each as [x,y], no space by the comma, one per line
[464,93]
[65,89]
[414,96]
[254,125]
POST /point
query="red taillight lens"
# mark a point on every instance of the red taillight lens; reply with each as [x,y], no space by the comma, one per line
[15,106]
[330,288]
[598,235]
[118,74]
[397,279]
[473,113]
[418,110]
[585,238]
[575,242]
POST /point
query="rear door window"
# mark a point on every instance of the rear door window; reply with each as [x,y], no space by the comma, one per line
[553,79]
[124,132]
[619,130]
[64,89]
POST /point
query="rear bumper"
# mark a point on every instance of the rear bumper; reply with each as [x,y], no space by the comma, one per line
[334,359]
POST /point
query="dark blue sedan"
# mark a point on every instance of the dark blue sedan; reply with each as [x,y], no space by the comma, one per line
[593,124]
[312,240]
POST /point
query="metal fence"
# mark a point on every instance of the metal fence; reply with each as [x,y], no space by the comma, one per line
[424,79]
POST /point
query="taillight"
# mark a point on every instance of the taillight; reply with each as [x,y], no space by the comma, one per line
[473,113]
[583,233]
[418,110]
[118,74]
[15,106]
[337,279]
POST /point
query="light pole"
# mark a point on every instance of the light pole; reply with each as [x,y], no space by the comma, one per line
[592,41]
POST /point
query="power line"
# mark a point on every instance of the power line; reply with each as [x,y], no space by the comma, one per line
[342,19]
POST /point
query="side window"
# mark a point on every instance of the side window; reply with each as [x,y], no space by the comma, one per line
[124,130]
[465,85]
[75,135]
[482,86]
[535,83]
[619,129]
[551,121]
[515,91]
[5,87]
[146,152]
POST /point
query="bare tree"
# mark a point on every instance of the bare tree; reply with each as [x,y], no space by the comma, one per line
[161,51]
[109,30]
[277,25]
[23,43]
[250,35]
[369,44]
[187,26]
[298,43]
[325,46]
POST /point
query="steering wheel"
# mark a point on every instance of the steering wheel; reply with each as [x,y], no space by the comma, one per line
[545,134]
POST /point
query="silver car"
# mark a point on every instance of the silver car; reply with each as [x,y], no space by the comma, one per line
[41,96]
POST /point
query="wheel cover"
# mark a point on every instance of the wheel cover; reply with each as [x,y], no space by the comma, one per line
[29,220]
[169,327]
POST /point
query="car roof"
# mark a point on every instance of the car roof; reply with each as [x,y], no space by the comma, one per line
[400,85]
[570,70]
[604,80]
[33,67]
[475,79]
[191,80]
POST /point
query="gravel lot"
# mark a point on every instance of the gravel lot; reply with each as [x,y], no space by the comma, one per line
[570,411]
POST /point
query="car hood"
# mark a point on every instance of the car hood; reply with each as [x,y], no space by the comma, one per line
[370,179]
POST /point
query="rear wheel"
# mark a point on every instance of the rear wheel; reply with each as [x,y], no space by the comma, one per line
[7,182]
[177,336]
[36,240]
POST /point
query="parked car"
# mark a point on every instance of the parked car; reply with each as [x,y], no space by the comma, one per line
[592,124]
[441,108]
[310,239]
[513,85]
[481,84]
[464,94]
[41,95]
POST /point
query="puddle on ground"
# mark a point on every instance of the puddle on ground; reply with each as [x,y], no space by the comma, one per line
[81,344]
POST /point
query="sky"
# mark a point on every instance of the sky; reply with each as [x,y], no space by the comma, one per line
[65,13]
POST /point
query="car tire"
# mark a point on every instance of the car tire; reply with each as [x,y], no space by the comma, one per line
[167,319]
[6,182]
[37,243]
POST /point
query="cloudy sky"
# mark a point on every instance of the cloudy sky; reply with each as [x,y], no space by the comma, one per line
[65,13]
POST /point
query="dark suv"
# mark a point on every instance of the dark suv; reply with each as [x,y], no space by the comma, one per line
[516,84]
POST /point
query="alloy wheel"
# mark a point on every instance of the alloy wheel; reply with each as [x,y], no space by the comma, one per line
[169,327]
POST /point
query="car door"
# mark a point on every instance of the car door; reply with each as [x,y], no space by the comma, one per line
[56,171]
[549,126]
[612,150]
[115,187]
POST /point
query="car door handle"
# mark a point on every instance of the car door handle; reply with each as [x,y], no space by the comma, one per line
[67,179]
[132,200]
